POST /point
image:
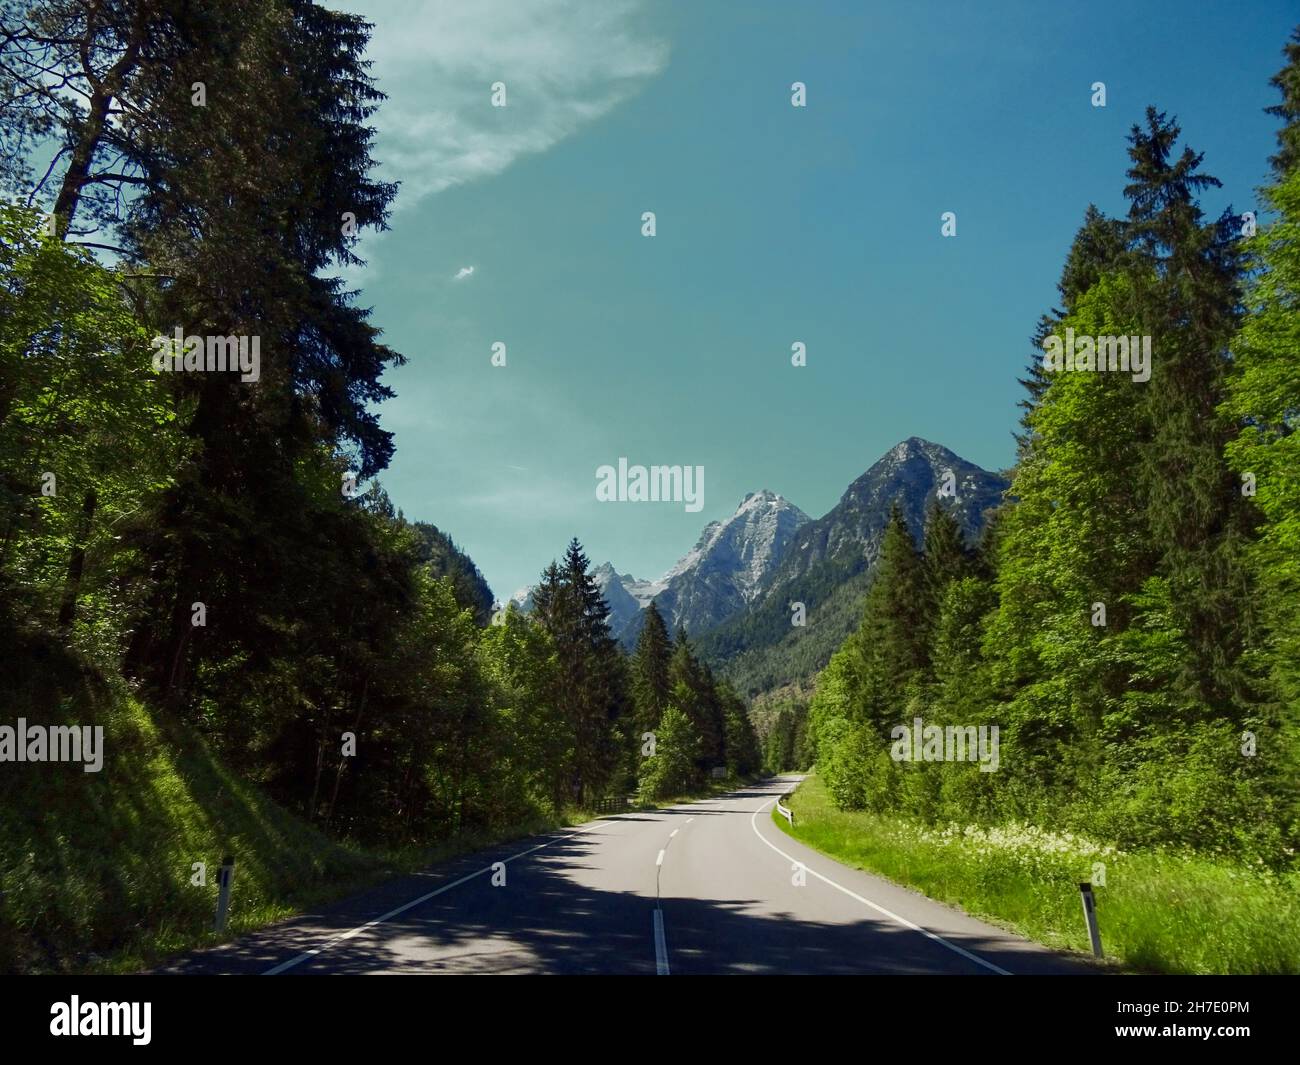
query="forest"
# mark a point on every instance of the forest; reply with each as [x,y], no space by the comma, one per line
[205,564]
[1131,618]
[199,557]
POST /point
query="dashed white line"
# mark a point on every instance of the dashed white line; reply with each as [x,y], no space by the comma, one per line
[661,945]
[753,823]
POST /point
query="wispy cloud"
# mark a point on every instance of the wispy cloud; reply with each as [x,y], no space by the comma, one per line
[564,63]
[463,272]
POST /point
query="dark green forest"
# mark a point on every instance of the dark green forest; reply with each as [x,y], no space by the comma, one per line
[1131,619]
[288,669]
[208,566]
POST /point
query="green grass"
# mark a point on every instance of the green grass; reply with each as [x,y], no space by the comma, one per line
[1158,912]
[96,868]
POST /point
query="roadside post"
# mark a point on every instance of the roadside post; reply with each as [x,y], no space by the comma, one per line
[224,880]
[1090,916]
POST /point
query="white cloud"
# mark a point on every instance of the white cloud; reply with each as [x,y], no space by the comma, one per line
[463,272]
[564,63]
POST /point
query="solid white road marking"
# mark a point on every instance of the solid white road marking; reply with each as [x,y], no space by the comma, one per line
[753,823]
[283,966]
[661,946]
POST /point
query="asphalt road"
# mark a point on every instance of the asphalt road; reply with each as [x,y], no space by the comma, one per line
[707,887]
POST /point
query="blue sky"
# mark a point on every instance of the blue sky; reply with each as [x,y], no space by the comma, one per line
[775,224]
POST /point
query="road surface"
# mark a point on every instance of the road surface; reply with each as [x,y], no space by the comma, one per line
[706,887]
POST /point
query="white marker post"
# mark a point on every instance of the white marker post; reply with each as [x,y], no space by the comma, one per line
[1090,916]
[224,880]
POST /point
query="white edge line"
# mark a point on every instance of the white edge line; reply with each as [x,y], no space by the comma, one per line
[283,966]
[753,823]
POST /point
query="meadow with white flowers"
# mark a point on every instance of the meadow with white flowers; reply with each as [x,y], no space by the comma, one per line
[1159,910]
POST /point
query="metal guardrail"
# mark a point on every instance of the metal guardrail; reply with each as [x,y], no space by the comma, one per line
[785,811]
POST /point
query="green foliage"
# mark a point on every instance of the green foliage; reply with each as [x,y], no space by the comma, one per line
[1264,401]
[672,770]
[649,669]
[102,863]
[87,436]
[1108,628]
[591,694]
[695,693]
[1161,911]
[440,555]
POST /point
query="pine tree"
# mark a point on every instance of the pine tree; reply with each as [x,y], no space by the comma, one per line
[892,635]
[222,257]
[1098,247]
[651,685]
[1190,309]
[744,756]
[591,695]
[945,559]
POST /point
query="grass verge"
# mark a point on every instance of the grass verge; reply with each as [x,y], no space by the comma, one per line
[1158,912]
[98,870]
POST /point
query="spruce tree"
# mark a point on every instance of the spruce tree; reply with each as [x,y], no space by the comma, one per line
[651,686]
[591,696]
[1098,247]
[695,695]
[945,559]
[887,655]
[1190,309]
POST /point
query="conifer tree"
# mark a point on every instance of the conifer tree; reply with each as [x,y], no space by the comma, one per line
[944,559]
[695,694]
[651,685]
[591,696]
[1264,400]
[892,634]
[1189,306]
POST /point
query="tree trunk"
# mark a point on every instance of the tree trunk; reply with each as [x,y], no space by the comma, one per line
[315,788]
[77,561]
[343,762]
[101,101]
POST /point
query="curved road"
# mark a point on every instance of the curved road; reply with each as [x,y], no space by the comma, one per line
[705,887]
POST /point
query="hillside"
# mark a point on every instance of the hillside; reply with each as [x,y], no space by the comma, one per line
[828,565]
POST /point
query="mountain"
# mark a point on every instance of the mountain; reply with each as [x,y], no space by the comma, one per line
[828,565]
[726,569]
[734,589]
[626,597]
[439,553]
[730,564]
